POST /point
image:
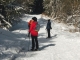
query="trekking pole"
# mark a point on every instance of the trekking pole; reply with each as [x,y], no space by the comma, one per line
[29,43]
[54,34]
[46,33]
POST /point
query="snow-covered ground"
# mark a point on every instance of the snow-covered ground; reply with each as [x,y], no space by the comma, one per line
[62,46]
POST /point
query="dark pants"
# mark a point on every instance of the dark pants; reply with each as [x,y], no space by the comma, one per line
[48,31]
[34,42]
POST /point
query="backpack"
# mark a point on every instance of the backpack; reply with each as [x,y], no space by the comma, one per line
[29,23]
[37,27]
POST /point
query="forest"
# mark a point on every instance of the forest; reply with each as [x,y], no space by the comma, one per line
[64,11]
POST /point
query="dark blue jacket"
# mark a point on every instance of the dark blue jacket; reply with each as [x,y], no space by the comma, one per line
[48,25]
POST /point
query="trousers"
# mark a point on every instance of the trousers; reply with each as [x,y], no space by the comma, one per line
[34,42]
[48,31]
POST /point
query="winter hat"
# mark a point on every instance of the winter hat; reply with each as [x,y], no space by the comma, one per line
[34,18]
[48,19]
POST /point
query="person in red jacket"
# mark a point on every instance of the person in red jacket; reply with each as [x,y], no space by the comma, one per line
[34,34]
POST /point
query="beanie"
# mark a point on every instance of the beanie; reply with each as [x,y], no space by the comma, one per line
[34,18]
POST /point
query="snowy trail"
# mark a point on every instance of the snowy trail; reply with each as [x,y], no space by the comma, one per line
[62,46]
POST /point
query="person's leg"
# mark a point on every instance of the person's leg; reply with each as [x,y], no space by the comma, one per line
[48,30]
[49,33]
[33,42]
[36,41]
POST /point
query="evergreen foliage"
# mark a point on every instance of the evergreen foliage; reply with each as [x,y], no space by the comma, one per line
[53,8]
[38,6]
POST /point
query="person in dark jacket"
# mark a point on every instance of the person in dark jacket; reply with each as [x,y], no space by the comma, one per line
[34,34]
[48,27]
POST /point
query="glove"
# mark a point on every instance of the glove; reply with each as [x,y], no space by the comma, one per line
[29,34]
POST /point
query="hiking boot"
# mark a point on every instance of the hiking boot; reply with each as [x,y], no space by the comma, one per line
[49,37]
[36,49]
[32,49]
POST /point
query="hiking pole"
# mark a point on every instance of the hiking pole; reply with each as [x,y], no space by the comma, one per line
[46,33]
[29,43]
[54,34]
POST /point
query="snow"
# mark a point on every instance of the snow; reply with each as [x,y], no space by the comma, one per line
[62,46]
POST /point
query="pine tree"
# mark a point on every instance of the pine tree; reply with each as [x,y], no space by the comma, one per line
[38,6]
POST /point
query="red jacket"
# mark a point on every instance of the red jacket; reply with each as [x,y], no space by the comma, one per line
[32,30]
